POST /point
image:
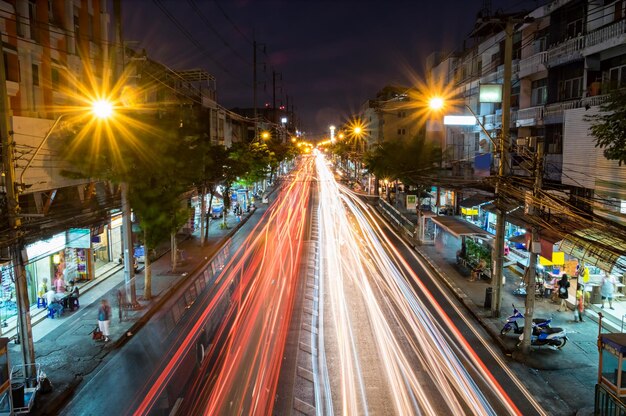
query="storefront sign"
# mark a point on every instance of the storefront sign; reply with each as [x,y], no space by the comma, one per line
[490,93]
[46,247]
[79,238]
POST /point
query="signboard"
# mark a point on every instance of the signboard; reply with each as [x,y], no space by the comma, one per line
[45,247]
[459,120]
[490,93]
[411,201]
[79,238]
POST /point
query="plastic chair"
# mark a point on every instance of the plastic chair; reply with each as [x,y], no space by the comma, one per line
[41,303]
[55,311]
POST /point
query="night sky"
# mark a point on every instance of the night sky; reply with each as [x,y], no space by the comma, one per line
[332,55]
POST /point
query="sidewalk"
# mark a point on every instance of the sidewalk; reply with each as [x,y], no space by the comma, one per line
[571,372]
[64,347]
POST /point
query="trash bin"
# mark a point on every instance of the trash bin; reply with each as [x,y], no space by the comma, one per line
[17,394]
[488,296]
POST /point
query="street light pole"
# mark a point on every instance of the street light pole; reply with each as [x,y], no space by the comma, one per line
[127,232]
[127,246]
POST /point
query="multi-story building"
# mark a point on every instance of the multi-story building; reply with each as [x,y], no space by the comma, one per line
[567,56]
[57,54]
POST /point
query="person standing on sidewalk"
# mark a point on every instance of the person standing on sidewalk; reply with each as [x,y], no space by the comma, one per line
[579,309]
[104,318]
[607,289]
[563,289]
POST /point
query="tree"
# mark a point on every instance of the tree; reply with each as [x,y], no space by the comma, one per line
[141,153]
[609,126]
[414,162]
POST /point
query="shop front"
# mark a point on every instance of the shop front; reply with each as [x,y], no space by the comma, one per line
[472,209]
[601,257]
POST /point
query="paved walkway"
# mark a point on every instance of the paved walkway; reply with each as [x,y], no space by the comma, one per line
[64,347]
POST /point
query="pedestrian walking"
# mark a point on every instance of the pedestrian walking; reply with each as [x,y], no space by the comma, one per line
[563,289]
[580,303]
[607,289]
[104,318]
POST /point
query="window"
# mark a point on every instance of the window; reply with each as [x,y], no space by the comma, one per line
[401,132]
[32,16]
[35,69]
[616,77]
[620,10]
[54,77]
[76,29]
[539,92]
[571,88]
[575,28]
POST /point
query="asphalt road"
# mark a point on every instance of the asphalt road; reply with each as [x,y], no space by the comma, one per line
[392,340]
[395,340]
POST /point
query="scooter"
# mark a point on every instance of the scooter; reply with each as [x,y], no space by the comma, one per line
[511,323]
[554,337]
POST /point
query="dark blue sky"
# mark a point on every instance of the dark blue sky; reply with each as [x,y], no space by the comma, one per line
[332,55]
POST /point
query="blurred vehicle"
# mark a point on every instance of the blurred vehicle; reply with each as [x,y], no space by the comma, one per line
[217,211]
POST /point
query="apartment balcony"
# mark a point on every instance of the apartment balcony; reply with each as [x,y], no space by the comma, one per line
[531,116]
[492,121]
[567,51]
[605,37]
[594,101]
[553,113]
[533,64]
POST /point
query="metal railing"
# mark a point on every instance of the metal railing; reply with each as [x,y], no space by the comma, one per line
[605,33]
[566,51]
[533,64]
[607,403]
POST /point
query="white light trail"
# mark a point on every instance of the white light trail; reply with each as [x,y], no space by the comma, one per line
[358,266]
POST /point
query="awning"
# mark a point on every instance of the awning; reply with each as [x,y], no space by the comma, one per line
[476,200]
[514,214]
[522,239]
[458,227]
[598,248]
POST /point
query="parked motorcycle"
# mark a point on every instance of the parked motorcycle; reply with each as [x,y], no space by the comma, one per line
[511,323]
[554,337]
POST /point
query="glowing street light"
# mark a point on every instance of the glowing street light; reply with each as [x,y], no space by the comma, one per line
[436,103]
[102,109]
[265,135]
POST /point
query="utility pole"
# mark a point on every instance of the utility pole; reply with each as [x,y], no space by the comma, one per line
[127,231]
[254,88]
[498,250]
[274,115]
[25,335]
[534,249]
